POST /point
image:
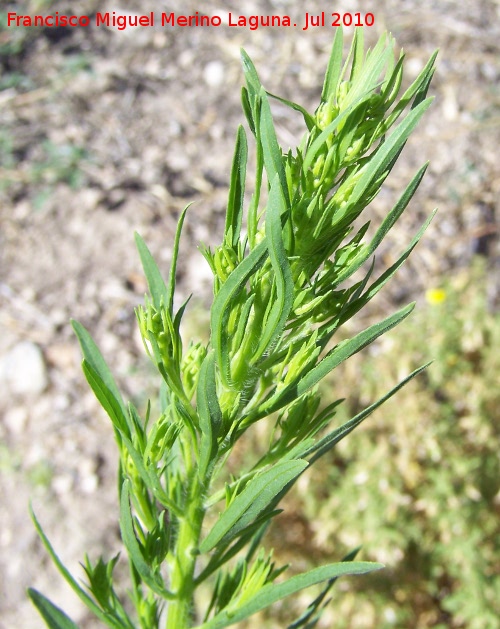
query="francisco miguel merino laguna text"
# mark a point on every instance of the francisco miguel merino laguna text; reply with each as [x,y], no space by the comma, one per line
[253,22]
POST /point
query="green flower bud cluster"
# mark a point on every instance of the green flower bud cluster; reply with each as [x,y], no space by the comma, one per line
[191,365]
[157,330]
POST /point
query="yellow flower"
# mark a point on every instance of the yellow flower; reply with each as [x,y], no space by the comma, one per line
[435,296]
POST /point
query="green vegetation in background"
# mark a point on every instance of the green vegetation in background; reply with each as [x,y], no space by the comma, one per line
[419,486]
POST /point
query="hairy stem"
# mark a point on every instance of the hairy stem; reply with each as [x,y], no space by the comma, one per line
[184,559]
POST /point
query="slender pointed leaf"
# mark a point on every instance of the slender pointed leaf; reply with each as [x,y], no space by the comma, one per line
[54,617]
[308,119]
[334,67]
[380,164]
[282,274]
[156,285]
[173,263]
[94,358]
[273,158]
[247,109]
[330,440]
[345,349]
[310,618]
[381,281]
[107,400]
[252,78]
[79,591]
[273,592]
[209,413]
[249,504]
[237,188]
[383,230]
[358,53]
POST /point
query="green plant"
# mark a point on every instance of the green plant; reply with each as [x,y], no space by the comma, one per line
[58,163]
[425,496]
[281,294]
[15,39]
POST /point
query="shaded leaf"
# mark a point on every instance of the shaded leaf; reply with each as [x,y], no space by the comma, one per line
[54,617]
[152,580]
[249,504]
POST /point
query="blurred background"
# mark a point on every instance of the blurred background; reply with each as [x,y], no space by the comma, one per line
[104,132]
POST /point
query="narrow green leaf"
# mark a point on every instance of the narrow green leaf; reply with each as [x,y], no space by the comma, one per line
[152,580]
[381,281]
[392,85]
[106,399]
[416,90]
[252,78]
[282,274]
[358,55]
[79,591]
[237,187]
[273,592]
[94,359]
[273,158]
[330,440]
[209,413]
[247,109]
[173,263]
[54,617]
[265,133]
[243,322]
[334,67]
[367,78]
[253,500]
[156,285]
[308,119]
[346,349]
[249,535]
[311,616]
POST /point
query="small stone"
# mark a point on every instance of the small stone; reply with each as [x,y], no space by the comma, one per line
[62,484]
[89,481]
[24,369]
[15,419]
[214,73]
[89,484]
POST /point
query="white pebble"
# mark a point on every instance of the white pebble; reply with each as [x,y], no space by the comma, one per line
[15,419]
[24,369]
[214,73]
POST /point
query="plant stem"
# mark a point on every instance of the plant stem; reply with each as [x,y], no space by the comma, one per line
[184,560]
